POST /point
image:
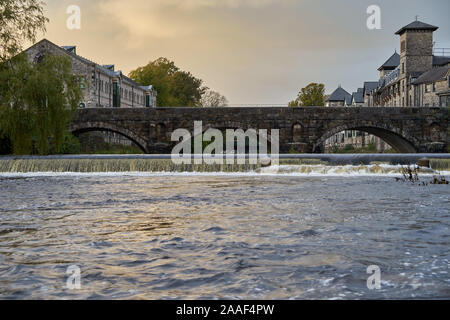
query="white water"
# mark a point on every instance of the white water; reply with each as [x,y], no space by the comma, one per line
[281,170]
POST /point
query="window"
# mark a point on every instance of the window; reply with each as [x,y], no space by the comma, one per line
[82,82]
[403,46]
[403,67]
[434,86]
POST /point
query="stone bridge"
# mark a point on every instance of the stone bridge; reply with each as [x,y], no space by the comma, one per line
[407,130]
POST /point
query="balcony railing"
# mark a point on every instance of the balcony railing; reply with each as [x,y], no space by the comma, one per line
[441,51]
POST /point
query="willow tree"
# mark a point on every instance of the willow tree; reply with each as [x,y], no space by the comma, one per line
[20,22]
[36,103]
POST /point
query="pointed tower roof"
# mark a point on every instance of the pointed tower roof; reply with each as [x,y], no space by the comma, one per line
[391,63]
[417,25]
[339,95]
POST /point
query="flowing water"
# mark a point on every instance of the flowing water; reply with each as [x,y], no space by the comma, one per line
[288,232]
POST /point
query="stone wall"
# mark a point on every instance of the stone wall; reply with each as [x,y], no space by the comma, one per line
[78,67]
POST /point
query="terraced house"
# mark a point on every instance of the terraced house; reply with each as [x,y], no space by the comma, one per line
[102,85]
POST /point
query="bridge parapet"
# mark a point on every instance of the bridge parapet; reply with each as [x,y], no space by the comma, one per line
[303,129]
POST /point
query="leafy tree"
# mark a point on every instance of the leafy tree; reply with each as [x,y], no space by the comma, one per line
[175,87]
[312,95]
[36,103]
[293,103]
[20,21]
[213,99]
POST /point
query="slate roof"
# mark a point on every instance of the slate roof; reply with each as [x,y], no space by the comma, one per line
[358,97]
[69,48]
[369,86]
[391,63]
[106,69]
[433,75]
[440,60]
[348,100]
[417,25]
[339,95]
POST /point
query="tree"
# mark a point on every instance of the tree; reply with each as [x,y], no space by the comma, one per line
[175,87]
[312,95]
[36,103]
[213,99]
[20,21]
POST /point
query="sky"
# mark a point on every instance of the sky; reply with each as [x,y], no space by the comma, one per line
[251,51]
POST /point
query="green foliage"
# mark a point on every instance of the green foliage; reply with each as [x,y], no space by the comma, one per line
[348,148]
[293,103]
[36,103]
[5,145]
[71,145]
[312,95]
[20,21]
[175,88]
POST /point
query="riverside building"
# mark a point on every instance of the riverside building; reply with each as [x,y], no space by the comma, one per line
[102,85]
[417,77]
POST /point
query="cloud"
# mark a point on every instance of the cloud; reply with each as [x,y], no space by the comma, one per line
[162,19]
[250,50]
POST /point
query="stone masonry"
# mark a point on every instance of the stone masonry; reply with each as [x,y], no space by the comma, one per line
[302,129]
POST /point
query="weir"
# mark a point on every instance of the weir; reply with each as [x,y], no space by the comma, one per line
[300,163]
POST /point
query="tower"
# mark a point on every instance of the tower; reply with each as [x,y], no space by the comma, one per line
[416,48]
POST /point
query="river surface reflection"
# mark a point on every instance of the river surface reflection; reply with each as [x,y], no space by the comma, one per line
[238,237]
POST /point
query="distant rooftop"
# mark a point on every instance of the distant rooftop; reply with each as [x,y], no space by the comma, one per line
[434,74]
[417,25]
[339,95]
[358,96]
[370,85]
[440,60]
[391,63]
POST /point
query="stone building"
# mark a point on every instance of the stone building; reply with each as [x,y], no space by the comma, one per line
[102,85]
[368,86]
[338,98]
[416,77]
[358,139]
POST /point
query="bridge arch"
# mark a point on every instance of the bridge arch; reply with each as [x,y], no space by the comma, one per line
[391,136]
[101,126]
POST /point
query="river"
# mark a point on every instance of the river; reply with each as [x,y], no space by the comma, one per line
[266,235]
